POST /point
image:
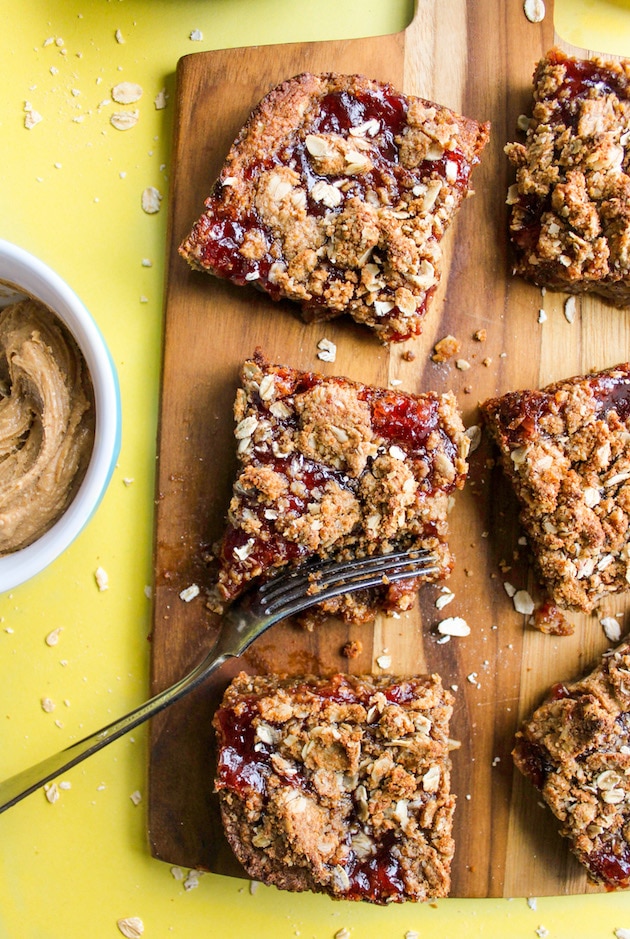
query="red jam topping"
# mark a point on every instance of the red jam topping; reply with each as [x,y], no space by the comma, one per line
[611,864]
[533,763]
[378,878]
[520,413]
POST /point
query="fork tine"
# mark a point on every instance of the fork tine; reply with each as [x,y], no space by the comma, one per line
[303,602]
[321,582]
[322,573]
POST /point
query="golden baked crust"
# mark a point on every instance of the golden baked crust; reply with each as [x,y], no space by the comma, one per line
[336,194]
[566,450]
[339,785]
[335,469]
[576,750]
[570,204]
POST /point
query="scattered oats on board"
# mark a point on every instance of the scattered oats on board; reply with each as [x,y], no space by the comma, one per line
[101,578]
[124,120]
[509,588]
[569,309]
[622,933]
[160,100]
[196,35]
[534,10]
[412,934]
[384,661]
[474,435]
[136,797]
[327,350]
[131,926]
[612,628]
[189,593]
[342,933]
[48,705]
[151,198]
[119,36]
[542,316]
[542,932]
[523,603]
[126,92]
[253,886]
[444,599]
[177,873]
[453,626]
[463,365]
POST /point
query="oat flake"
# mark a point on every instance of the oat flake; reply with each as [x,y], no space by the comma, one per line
[132,927]
[569,309]
[327,350]
[189,593]
[454,626]
[523,602]
[101,578]
[124,120]
[612,628]
[126,92]
[151,199]
[534,10]
[53,636]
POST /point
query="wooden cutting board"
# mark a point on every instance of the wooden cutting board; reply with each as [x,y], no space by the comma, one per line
[478,59]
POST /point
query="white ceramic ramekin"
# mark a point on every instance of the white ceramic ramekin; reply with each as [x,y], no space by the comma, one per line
[30,276]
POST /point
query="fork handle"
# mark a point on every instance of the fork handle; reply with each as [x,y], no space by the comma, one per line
[17,787]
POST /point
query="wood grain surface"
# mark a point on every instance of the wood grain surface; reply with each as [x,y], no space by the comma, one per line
[477,58]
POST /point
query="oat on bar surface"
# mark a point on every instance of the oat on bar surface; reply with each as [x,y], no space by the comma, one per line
[339,785]
[576,750]
[570,204]
[332,468]
[336,194]
[566,450]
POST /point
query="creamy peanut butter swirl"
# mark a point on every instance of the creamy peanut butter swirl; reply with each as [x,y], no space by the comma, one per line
[46,422]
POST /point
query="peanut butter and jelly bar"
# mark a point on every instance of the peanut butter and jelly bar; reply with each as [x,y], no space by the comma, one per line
[576,750]
[332,468]
[566,450]
[339,785]
[570,204]
[336,195]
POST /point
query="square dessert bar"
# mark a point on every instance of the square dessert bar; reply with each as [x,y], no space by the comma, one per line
[335,469]
[339,785]
[570,204]
[566,450]
[336,194]
[576,750]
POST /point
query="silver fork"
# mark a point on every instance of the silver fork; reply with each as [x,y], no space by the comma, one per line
[245,621]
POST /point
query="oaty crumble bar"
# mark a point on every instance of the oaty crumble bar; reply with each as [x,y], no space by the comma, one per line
[566,450]
[336,194]
[339,785]
[336,469]
[570,204]
[576,750]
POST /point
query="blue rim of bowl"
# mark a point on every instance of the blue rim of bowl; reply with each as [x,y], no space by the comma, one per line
[46,285]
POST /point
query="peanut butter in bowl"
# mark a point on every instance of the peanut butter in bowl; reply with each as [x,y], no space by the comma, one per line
[47,421]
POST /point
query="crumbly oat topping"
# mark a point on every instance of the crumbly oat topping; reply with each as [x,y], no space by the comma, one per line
[576,750]
[336,194]
[570,204]
[333,468]
[566,450]
[339,785]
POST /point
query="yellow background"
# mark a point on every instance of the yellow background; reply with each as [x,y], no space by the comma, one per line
[70,193]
